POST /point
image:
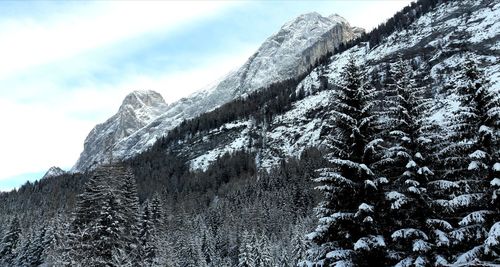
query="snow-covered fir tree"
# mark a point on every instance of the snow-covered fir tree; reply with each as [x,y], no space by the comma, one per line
[100,234]
[299,246]
[130,213]
[349,230]
[10,242]
[147,236]
[24,246]
[58,241]
[208,246]
[246,255]
[263,256]
[37,252]
[106,234]
[469,167]
[405,162]
[157,210]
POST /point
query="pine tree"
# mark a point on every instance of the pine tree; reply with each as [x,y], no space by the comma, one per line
[38,249]
[87,213]
[102,232]
[10,242]
[246,256]
[190,251]
[349,230]
[256,251]
[299,247]
[57,241]
[130,212]
[263,250]
[157,210]
[107,233]
[469,163]
[146,236]
[208,247]
[23,250]
[405,163]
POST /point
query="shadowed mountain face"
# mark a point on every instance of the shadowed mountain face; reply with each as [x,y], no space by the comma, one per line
[144,117]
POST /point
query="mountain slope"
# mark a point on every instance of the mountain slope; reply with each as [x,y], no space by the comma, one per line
[286,54]
[137,110]
[433,42]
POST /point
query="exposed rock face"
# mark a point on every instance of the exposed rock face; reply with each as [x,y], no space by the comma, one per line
[137,110]
[288,53]
[341,32]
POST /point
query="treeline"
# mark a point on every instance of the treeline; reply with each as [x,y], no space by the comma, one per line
[220,217]
[260,105]
[41,200]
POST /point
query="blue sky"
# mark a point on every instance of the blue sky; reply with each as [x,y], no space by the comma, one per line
[66,66]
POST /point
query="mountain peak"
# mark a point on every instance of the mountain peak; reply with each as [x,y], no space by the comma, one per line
[304,20]
[54,171]
[337,18]
[313,14]
[143,98]
[138,109]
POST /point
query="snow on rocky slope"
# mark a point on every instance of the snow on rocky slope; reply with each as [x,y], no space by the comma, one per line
[138,109]
[286,54]
[439,41]
[53,172]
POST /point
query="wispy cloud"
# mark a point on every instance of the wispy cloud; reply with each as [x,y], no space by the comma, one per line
[31,41]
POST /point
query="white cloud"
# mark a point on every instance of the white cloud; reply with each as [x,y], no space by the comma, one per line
[375,12]
[367,14]
[30,42]
[34,138]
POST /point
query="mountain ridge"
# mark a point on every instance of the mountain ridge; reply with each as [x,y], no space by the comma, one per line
[292,50]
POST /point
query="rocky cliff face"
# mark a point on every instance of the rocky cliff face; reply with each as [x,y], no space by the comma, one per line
[286,54]
[137,110]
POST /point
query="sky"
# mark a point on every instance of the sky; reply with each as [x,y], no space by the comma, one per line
[66,66]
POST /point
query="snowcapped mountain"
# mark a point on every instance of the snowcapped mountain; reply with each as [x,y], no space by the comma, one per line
[137,110]
[433,42]
[53,172]
[286,54]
